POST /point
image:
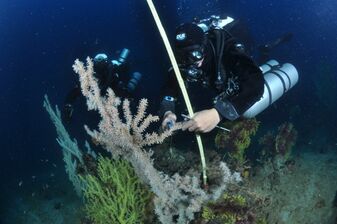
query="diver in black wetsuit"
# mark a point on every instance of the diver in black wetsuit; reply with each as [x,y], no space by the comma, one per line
[207,53]
[110,74]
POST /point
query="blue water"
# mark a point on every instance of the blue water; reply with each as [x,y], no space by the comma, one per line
[39,40]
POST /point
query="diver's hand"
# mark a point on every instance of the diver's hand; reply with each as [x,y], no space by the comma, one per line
[202,121]
[67,112]
[169,120]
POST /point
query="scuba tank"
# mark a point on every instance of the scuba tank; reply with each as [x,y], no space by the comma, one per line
[278,79]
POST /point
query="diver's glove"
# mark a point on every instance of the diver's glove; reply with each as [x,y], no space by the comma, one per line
[67,112]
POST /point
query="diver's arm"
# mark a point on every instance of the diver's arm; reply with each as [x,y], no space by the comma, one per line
[169,94]
[250,80]
[68,109]
[167,106]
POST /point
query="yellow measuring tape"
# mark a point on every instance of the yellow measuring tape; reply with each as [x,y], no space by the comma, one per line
[180,81]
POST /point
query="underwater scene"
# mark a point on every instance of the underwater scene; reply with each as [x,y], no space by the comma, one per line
[168,111]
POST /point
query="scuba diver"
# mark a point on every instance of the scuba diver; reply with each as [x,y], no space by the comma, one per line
[112,74]
[208,54]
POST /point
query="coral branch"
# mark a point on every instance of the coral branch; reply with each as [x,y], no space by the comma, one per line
[179,196]
[72,154]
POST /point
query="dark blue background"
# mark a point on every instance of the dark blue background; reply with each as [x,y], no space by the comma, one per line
[39,41]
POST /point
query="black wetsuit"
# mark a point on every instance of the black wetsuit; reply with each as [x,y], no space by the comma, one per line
[108,76]
[237,68]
